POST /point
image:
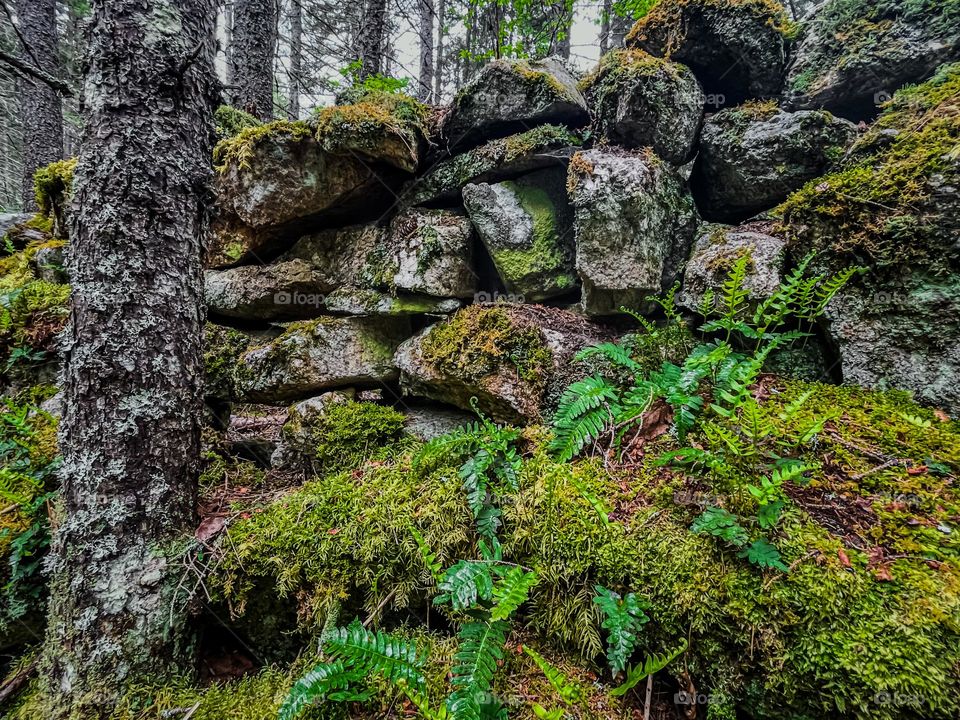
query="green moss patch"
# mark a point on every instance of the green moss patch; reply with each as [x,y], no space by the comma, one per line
[239,149]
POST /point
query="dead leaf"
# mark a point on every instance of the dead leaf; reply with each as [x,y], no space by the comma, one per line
[210,527]
[941,415]
[844,560]
[882,573]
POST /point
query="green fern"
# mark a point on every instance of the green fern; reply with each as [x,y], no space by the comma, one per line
[475,664]
[464,584]
[326,681]
[591,497]
[369,652]
[422,703]
[624,618]
[427,555]
[582,414]
[651,664]
[615,353]
[763,554]
[541,712]
[718,522]
[511,592]
[570,691]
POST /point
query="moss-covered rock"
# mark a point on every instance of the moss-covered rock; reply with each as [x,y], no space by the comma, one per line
[285,290]
[52,186]
[507,356]
[497,160]
[855,53]
[380,126]
[634,222]
[737,48]
[893,208]
[642,101]
[527,228]
[508,95]
[752,156]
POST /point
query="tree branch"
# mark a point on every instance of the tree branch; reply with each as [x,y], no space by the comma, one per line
[34,72]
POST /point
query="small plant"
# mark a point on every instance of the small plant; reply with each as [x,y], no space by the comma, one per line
[624,617]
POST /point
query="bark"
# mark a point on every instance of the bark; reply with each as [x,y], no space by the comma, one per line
[371,40]
[441,63]
[563,20]
[605,10]
[130,433]
[426,50]
[254,47]
[40,111]
[295,19]
[619,27]
[228,39]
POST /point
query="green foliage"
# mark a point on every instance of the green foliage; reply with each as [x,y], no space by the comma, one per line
[52,185]
[372,83]
[230,121]
[345,435]
[475,664]
[239,149]
[624,618]
[718,522]
[651,664]
[570,691]
[519,28]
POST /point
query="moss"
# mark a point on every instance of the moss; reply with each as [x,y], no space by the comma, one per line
[219,470]
[230,121]
[773,642]
[223,348]
[238,150]
[381,125]
[546,254]
[481,340]
[881,210]
[670,13]
[51,185]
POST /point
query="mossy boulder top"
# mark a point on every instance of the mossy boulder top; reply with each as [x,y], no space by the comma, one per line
[511,358]
[754,155]
[855,53]
[738,49]
[510,95]
[640,100]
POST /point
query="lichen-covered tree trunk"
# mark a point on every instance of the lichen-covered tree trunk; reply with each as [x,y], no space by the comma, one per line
[438,74]
[40,112]
[425,30]
[253,49]
[133,364]
[371,40]
[295,20]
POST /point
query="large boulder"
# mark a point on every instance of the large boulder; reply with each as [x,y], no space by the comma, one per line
[639,100]
[855,53]
[503,159]
[315,355]
[364,301]
[894,209]
[753,156]
[527,229]
[715,252]
[432,252]
[509,95]
[511,358]
[634,222]
[736,48]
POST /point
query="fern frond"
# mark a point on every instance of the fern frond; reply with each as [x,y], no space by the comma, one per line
[427,555]
[475,663]
[464,584]
[624,617]
[511,592]
[453,445]
[323,681]
[591,497]
[541,712]
[377,652]
[570,691]
[651,664]
[582,415]
[615,353]
[422,703]
[792,408]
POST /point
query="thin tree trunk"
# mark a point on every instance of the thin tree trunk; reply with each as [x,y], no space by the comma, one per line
[605,11]
[426,50]
[619,27]
[295,19]
[228,40]
[371,43]
[130,434]
[254,47]
[40,112]
[440,63]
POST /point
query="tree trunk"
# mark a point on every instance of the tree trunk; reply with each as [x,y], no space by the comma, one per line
[228,39]
[605,10]
[371,38]
[254,47]
[619,27]
[295,18]
[439,65]
[130,434]
[40,112]
[426,50]
[564,15]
